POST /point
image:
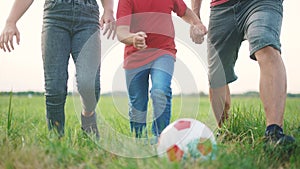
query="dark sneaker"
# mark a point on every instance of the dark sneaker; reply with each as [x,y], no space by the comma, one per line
[89,125]
[276,136]
[276,141]
[58,127]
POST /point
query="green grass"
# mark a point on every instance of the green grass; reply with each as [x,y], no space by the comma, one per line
[25,141]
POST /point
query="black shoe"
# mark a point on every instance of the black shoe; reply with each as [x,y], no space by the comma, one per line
[276,136]
[89,125]
[58,127]
[277,142]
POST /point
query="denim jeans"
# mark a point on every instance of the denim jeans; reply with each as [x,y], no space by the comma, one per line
[70,28]
[137,81]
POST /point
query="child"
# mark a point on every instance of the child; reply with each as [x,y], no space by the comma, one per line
[146,28]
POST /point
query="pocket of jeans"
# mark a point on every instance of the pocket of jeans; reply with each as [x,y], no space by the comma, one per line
[49,4]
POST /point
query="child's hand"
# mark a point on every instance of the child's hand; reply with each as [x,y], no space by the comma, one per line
[139,40]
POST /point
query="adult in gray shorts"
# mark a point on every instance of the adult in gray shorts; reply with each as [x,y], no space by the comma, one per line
[258,21]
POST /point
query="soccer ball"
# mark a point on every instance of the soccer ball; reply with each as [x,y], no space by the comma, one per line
[187,139]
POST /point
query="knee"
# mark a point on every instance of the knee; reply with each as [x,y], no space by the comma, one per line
[56,91]
[55,87]
[87,86]
[157,94]
[161,92]
[88,82]
[55,98]
[138,104]
[268,55]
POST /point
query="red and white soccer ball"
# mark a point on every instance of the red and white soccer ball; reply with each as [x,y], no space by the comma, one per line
[187,139]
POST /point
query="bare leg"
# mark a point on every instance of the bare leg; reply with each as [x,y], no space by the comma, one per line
[220,101]
[272,84]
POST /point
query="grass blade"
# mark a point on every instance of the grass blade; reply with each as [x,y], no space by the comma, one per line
[9,115]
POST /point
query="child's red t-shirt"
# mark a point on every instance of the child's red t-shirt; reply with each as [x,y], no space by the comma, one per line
[154,18]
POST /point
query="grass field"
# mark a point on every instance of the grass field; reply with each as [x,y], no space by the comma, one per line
[26,143]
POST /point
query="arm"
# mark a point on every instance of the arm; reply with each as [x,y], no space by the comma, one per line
[10,30]
[108,18]
[197,30]
[196,6]
[138,40]
[191,18]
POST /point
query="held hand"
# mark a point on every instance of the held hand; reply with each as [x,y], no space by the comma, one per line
[6,37]
[139,40]
[108,20]
[197,33]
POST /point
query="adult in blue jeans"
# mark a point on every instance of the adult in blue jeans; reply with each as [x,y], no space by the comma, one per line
[70,28]
[259,22]
[147,29]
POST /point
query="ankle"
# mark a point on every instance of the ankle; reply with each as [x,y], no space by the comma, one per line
[87,114]
[273,127]
[274,130]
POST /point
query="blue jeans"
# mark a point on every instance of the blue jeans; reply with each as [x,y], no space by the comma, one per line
[258,21]
[137,81]
[70,27]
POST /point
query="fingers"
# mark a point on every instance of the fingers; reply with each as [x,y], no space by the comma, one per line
[139,40]
[108,23]
[110,30]
[197,33]
[18,37]
[7,40]
[4,43]
[101,23]
[139,44]
[10,40]
[1,43]
[114,33]
[142,34]
[198,40]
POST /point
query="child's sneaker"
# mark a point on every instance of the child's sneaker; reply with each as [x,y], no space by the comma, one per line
[89,125]
[154,140]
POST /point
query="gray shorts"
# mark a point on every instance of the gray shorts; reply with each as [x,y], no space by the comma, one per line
[258,21]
